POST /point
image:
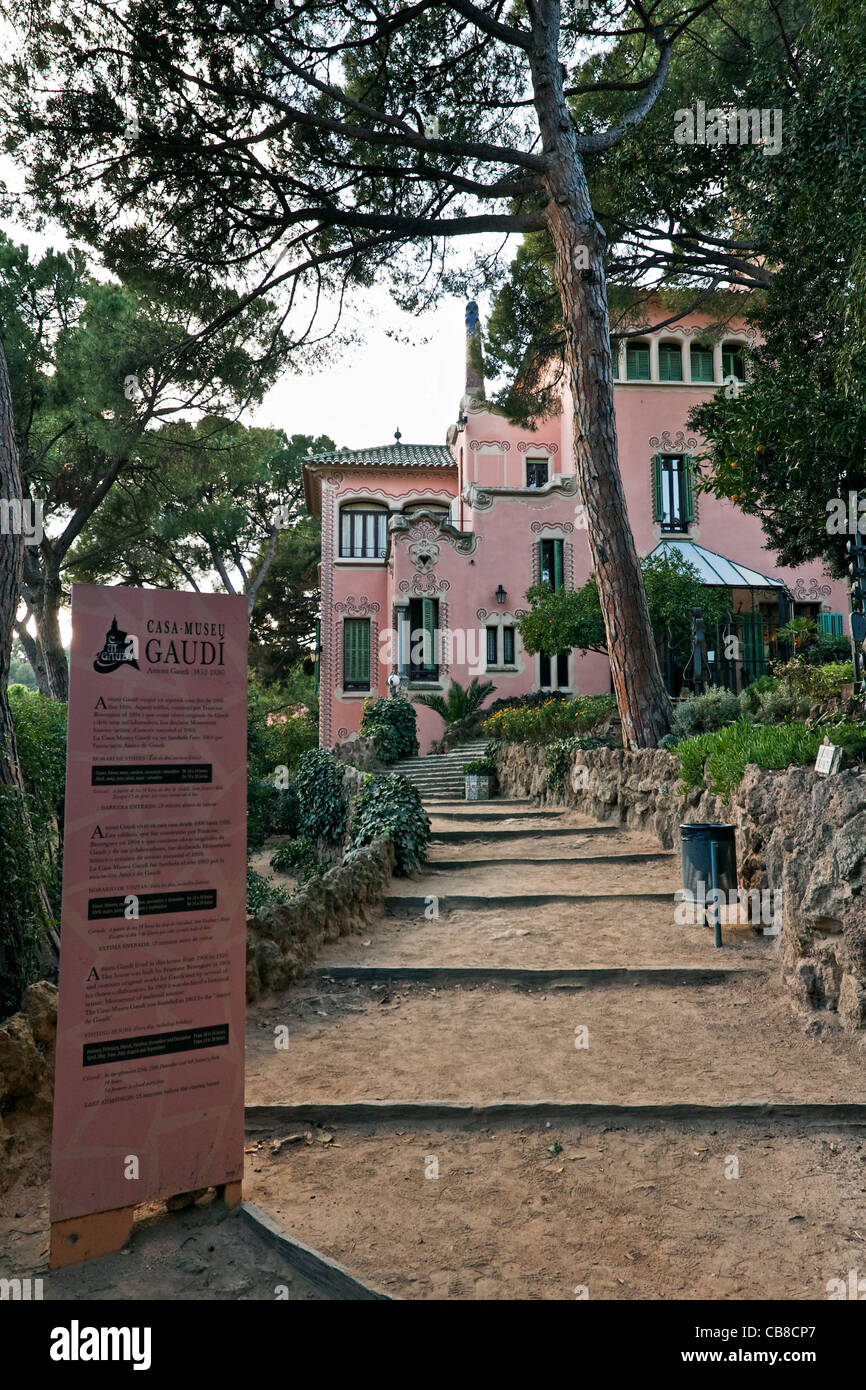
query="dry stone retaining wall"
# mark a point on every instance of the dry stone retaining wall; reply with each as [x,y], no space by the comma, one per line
[797,831]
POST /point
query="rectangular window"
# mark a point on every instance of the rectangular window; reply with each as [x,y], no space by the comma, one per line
[356,653]
[363,534]
[637,362]
[734,363]
[670,362]
[834,623]
[546,669]
[550,566]
[673,491]
[492,646]
[508,646]
[702,363]
[423,635]
[536,472]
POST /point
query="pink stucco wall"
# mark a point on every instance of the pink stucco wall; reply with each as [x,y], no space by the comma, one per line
[496,542]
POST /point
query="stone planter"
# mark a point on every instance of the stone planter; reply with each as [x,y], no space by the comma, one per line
[477,787]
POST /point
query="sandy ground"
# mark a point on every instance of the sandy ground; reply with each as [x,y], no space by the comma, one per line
[710,1044]
[534,1213]
[551,936]
[204,1252]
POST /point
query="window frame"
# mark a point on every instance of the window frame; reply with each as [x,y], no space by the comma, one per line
[367,512]
[668,351]
[682,515]
[705,353]
[642,347]
[533,465]
[356,683]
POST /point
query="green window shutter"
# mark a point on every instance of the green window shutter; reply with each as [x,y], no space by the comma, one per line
[356,652]
[832,623]
[541,562]
[658,506]
[637,363]
[702,364]
[318,666]
[557,565]
[670,363]
[688,486]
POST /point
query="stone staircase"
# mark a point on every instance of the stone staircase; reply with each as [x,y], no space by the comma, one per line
[439,776]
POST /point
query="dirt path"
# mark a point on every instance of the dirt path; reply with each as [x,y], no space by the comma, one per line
[523,1207]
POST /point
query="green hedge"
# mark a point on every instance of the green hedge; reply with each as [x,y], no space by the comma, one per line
[556,718]
[391,805]
[323,809]
[20,915]
[298,858]
[393,725]
[719,760]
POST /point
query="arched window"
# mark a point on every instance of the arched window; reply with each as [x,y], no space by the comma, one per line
[363,531]
[670,362]
[733,361]
[637,362]
[702,362]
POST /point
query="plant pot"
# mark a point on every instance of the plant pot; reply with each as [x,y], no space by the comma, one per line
[847,691]
[477,787]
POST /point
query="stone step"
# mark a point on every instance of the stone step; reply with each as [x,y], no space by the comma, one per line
[684,1044]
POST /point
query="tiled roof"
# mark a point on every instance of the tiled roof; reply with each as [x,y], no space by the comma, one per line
[391,456]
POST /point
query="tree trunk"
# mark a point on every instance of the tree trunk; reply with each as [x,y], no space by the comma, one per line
[50,639]
[23,902]
[578,240]
[33,653]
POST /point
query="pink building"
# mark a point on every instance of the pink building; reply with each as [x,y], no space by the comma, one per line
[428,549]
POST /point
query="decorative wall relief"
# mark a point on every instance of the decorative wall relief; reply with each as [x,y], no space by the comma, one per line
[815,591]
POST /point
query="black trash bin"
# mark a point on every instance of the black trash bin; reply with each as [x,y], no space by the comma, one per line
[709,855]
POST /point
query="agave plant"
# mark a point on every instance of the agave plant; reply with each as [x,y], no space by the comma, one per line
[459,703]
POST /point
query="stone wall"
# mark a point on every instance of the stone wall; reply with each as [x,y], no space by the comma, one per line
[283,940]
[797,831]
[27,1041]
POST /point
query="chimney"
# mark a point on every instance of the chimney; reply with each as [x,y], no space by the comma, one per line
[474,362]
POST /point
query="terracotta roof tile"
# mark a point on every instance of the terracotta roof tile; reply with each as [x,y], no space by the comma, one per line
[391,456]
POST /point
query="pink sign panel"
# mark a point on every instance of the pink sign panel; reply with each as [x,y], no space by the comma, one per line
[149,1084]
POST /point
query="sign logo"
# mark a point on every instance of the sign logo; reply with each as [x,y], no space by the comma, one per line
[119,650]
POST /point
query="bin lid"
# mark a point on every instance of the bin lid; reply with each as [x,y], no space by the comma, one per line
[707,830]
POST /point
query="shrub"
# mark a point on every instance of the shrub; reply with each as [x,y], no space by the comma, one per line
[393,724]
[386,740]
[319,782]
[703,713]
[750,701]
[270,811]
[719,760]
[20,915]
[816,682]
[776,706]
[391,806]
[299,858]
[459,703]
[480,767]
[40,733]
[554,719]
[281,743]
[261,893]
[558,760]
[668,741]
